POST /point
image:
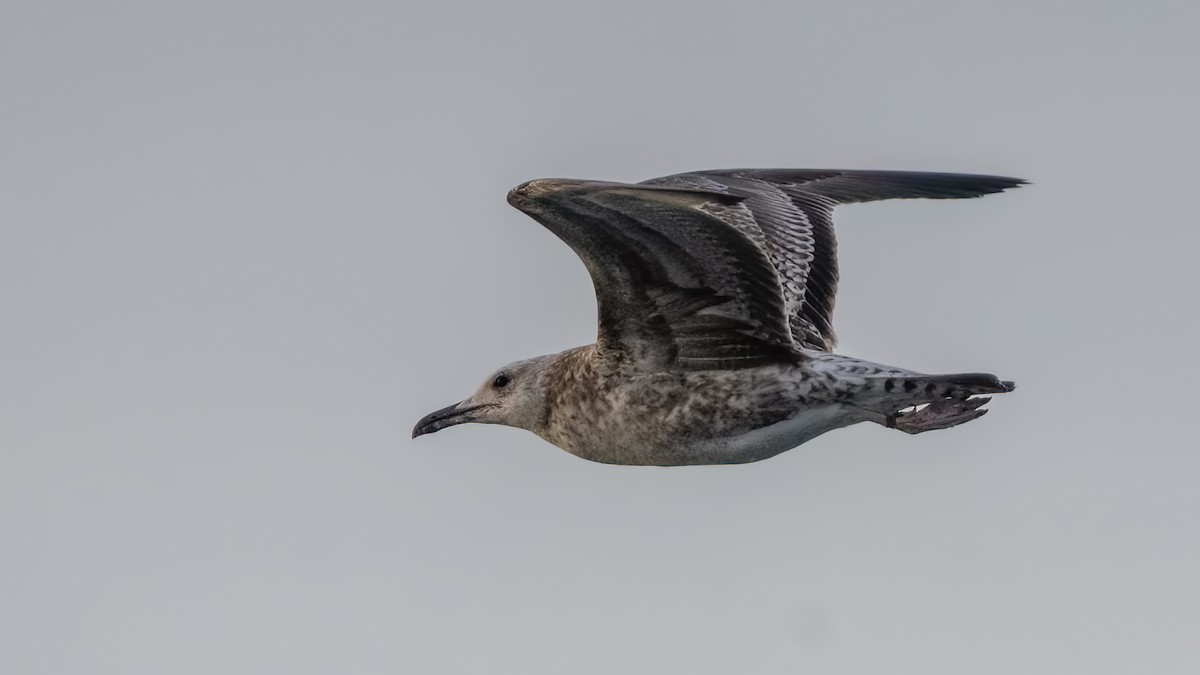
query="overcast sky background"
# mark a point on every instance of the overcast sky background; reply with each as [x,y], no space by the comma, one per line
[245,245]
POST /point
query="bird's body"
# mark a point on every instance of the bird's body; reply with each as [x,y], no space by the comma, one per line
[715,294]
[607,412]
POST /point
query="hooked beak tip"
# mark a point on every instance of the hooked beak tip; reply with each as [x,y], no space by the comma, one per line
[446,417]
[425,426]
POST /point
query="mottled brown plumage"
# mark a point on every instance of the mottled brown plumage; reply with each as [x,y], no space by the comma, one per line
[715,293]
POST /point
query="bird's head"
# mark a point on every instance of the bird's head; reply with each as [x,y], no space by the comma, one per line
[512,396]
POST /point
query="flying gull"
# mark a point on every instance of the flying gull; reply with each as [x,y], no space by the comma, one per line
[715,292]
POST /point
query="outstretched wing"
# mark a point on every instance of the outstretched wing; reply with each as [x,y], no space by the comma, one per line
[788,213]
[676,286]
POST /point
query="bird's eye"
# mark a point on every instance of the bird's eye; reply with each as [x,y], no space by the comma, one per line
[500,381]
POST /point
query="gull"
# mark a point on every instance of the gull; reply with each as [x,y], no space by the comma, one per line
[715,294]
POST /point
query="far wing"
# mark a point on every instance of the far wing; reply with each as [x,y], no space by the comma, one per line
[788,212]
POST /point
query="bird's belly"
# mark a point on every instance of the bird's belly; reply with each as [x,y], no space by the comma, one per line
[806,425]
[750,446]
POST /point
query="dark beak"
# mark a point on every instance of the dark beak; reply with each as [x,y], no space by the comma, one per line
[446,417]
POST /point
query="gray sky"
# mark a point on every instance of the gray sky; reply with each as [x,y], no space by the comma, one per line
[247,244]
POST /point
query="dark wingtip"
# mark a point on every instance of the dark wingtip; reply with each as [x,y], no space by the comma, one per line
[951,185]
[1002,183]
[933,185]
[848,186]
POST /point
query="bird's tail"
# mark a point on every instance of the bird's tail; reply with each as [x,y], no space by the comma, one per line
[917,389]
